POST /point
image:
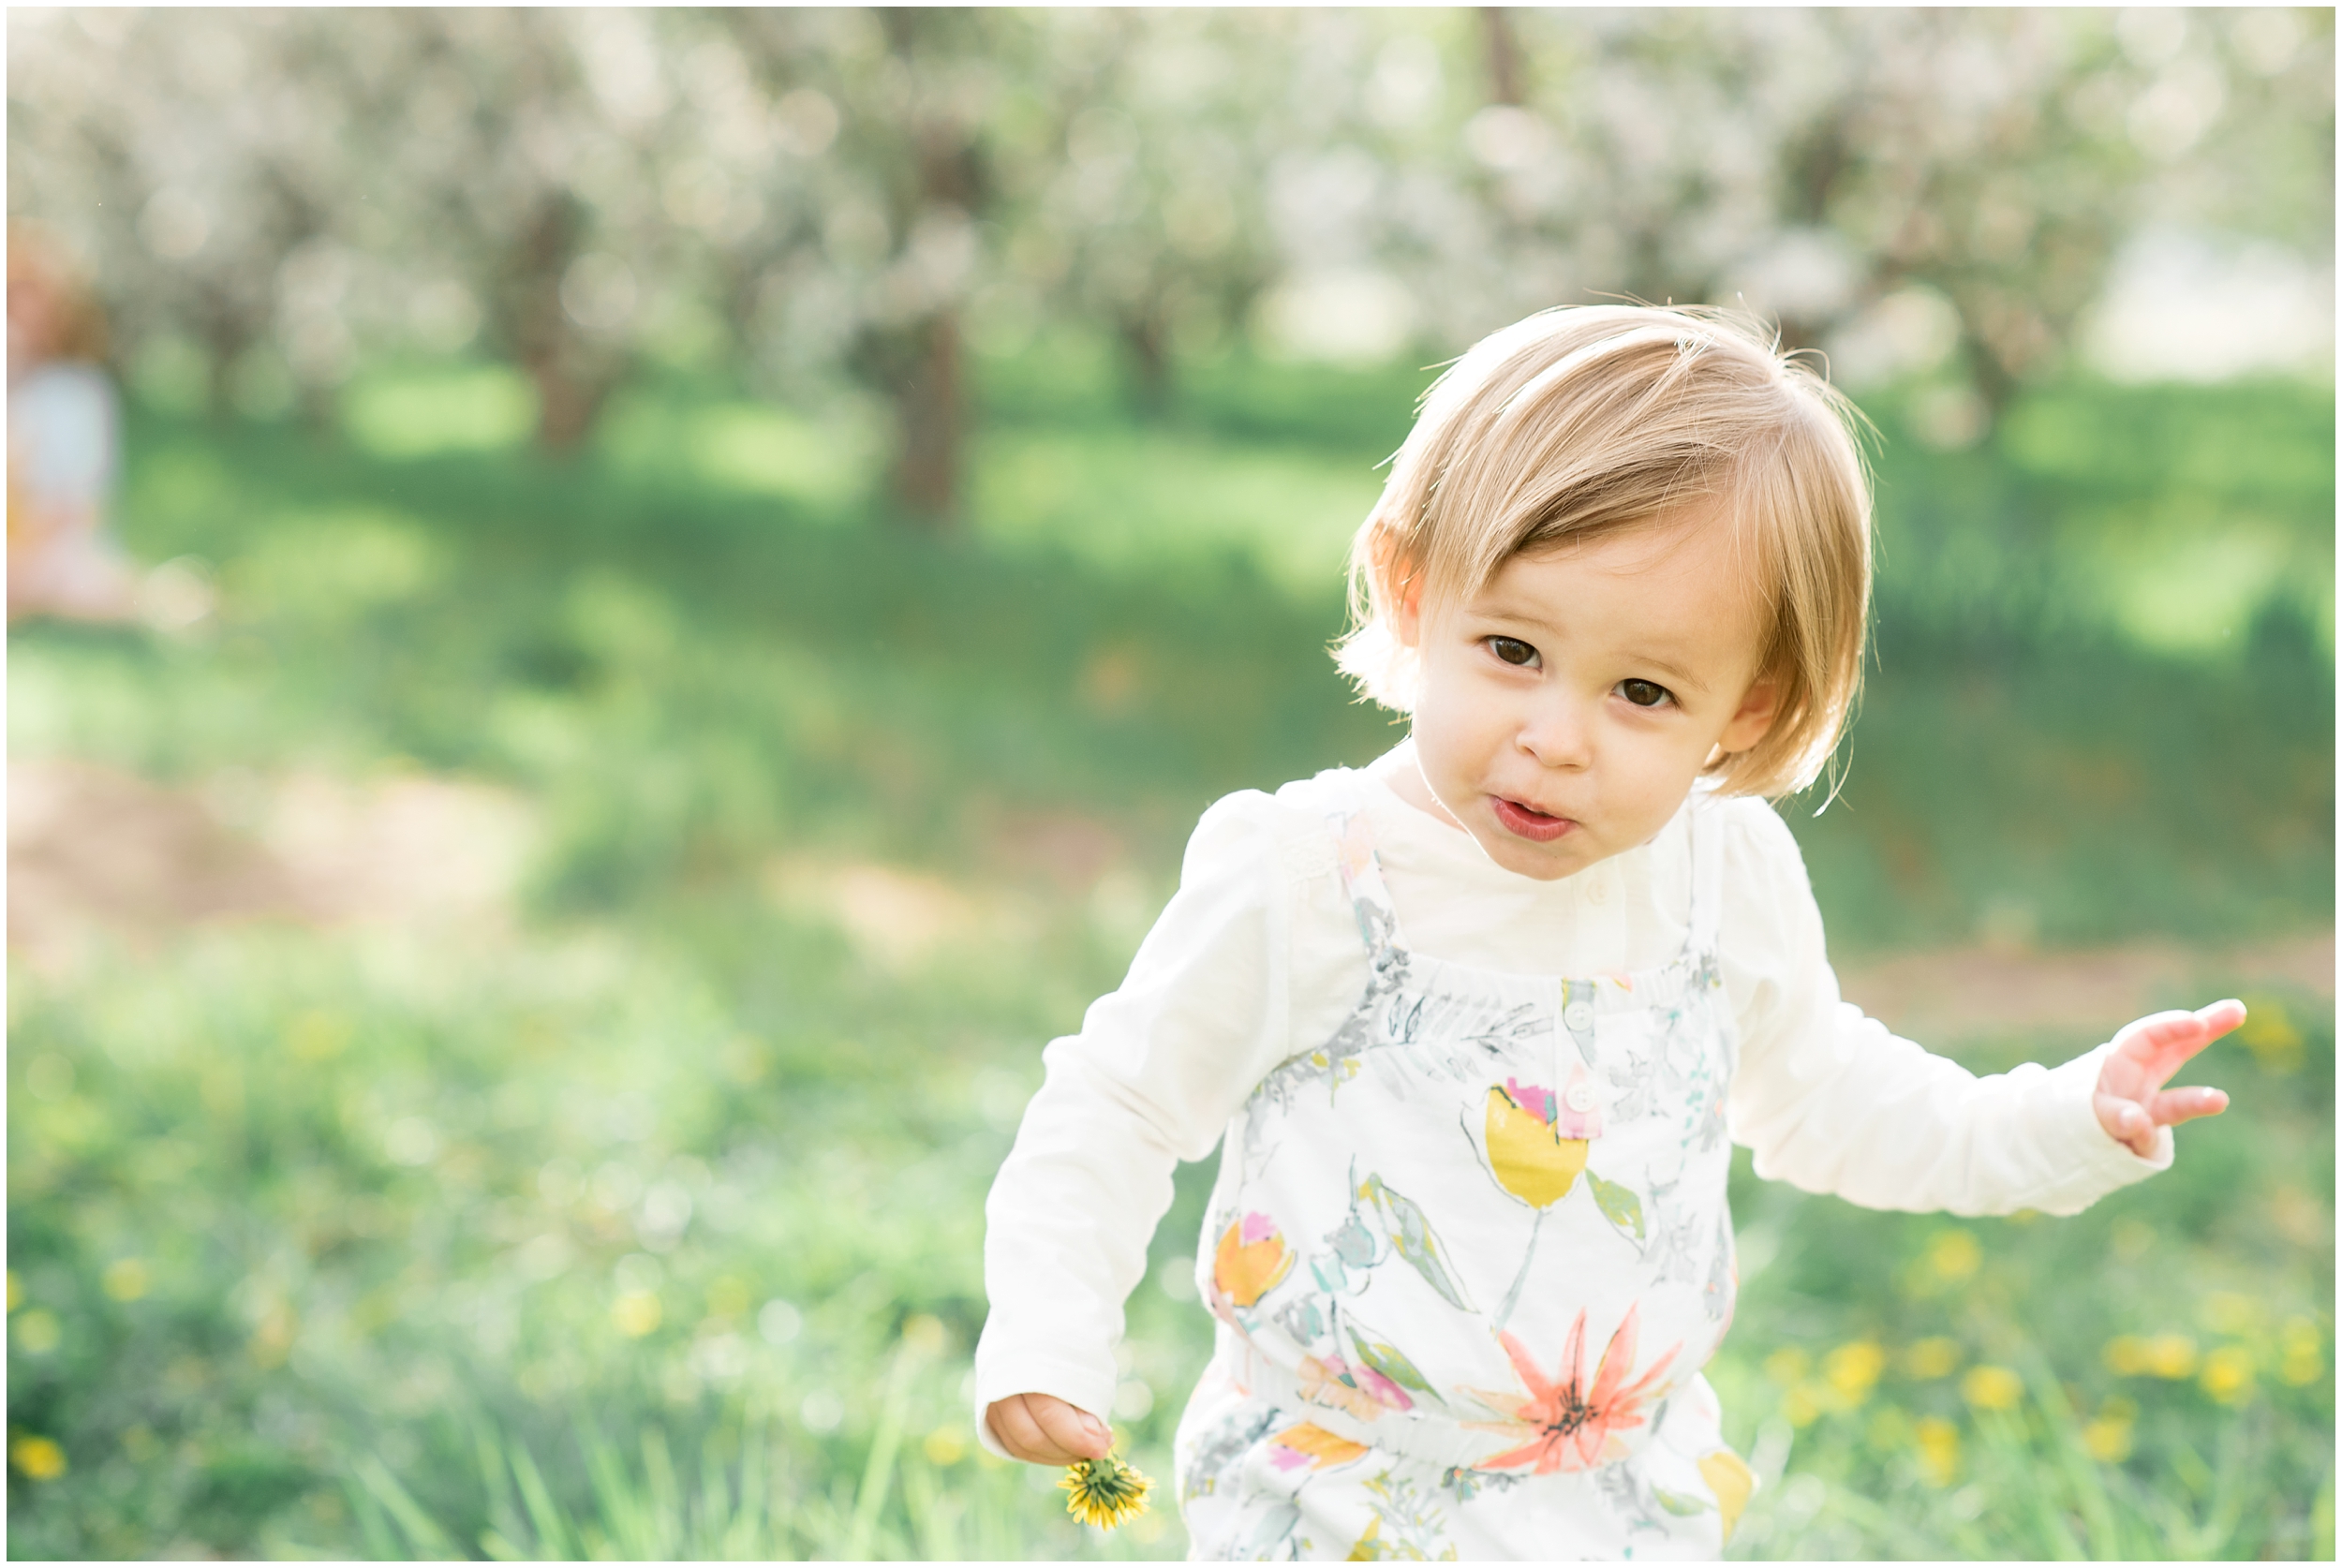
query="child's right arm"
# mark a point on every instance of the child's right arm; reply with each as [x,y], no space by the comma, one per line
[1159,1067]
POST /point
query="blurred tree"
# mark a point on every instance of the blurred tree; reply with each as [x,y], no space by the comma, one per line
[819,192]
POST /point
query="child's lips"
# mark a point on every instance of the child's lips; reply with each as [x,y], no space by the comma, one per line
[1529,822]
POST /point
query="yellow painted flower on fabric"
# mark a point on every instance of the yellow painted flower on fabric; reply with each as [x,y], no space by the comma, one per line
[1728,1477]
[1250,1260]
[1527,1154]
[1312,1446]
[1104,1492]
[1989,1387]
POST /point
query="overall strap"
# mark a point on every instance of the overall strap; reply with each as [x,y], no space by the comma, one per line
[1361,868]
[1707,832]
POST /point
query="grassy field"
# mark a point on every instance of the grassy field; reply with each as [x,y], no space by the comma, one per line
[639,1214]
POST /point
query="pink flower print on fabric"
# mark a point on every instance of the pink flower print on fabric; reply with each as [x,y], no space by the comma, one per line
[1359,1391]
[1579,1113]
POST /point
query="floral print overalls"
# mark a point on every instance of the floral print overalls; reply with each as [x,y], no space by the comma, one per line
[1468,1258]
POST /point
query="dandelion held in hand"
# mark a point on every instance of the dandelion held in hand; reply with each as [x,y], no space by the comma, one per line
[1105,1491]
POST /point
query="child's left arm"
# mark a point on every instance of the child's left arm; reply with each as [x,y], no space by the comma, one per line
[2131,1101]
[1832,1101]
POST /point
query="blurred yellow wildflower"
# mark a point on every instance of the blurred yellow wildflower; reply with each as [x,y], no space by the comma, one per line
[1853,1368]
[37,1456]
[1953,1255]
[1938,1443]
[1104,1492]
[2108,1439]
[1931,1358]
[2230,1312]
[1989,1387]
[38,1331]
[124,1278]
[922,1334]
[944,1447]
[16,1290]
[2170,1355]
[1786,1365]
[2228,1374]
[636,1313]
[1803,1403]
[2301,1342]
[2270,1033]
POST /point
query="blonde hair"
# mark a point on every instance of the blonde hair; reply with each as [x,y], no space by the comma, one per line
[1591,420]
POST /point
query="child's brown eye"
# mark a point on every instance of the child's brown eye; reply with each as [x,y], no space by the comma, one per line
[1512,650]
[1644,694]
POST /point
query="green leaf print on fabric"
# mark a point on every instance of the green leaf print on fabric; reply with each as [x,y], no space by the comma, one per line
[1683,1507]
[1411,1237]
[1389,1360]
[1618,1204]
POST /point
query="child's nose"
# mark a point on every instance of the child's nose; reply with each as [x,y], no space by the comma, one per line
[1556,732]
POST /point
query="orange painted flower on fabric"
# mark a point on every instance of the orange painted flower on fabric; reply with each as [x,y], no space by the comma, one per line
[1311,1445]
[1572,1424]
[1251,1260]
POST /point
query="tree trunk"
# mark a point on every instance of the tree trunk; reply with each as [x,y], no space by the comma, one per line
[1147,351]
[929,423]
[1504,54]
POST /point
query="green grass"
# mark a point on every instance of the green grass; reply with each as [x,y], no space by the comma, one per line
[348,1241]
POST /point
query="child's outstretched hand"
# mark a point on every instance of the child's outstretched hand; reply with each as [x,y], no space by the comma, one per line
[1043,1429]
[2131,1101]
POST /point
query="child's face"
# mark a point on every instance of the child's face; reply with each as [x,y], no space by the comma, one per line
[1565,710]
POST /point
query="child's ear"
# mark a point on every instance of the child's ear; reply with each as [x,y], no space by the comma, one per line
[1750,723]
[1403,590]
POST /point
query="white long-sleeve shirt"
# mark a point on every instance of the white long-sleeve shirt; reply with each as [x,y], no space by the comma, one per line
[1258,957]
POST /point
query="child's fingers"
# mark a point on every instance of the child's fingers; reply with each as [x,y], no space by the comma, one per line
[2124,1121]
[1013,1423]
[2174,1107]
[1080,1434]
[2161,1043]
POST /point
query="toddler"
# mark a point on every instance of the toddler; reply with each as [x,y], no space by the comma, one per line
[1475,1026]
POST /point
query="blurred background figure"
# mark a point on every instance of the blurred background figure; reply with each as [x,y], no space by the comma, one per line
[63,445]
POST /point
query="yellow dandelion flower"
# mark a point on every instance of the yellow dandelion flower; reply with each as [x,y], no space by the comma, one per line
[1938,1443]
[944,1447]
[1786,1365]
[2170,1355]
[2126,1356]
[15,1291]
[1931,1358]
[38,1458]
[1989,1387]
[1954,1254]
[2228,1374]
[124,1278]
[1104,1492]
[1853,1368]
[2108,1438]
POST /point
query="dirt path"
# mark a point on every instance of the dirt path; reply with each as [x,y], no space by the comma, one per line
[90,848]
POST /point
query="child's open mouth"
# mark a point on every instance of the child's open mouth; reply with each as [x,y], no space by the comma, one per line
[1529,822]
